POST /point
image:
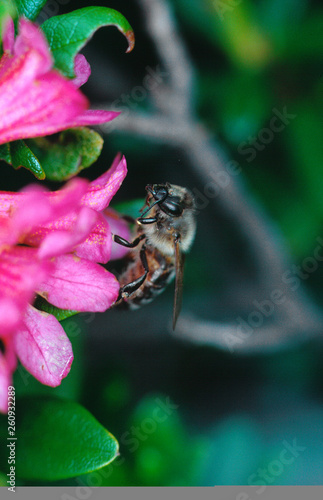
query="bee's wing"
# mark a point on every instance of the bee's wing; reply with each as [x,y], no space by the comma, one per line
[179,268]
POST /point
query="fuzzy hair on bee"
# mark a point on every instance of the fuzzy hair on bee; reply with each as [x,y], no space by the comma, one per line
[157,252]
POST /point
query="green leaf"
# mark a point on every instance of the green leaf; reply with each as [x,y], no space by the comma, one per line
[18,154]
[59,439]
[30,8]
[7,9]
[65,155]
[68,33]
[5,153]
[59,314]
[58,157]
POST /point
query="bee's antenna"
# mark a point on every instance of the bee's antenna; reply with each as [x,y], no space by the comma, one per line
[149,208]
[155,203]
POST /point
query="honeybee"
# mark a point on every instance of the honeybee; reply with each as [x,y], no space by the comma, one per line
[158,251]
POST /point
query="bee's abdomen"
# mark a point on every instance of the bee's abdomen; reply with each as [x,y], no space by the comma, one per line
[161,273]
[149,290]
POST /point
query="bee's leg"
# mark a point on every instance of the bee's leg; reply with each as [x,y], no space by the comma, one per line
[126,243]
[128,289]
[147,220]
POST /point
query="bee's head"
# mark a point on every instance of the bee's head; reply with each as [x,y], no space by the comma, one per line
[164,195]
[174,215]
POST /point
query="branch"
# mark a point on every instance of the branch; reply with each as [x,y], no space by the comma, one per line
[173,54]
[231,338]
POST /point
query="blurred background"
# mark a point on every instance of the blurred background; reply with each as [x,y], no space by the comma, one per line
[188,412]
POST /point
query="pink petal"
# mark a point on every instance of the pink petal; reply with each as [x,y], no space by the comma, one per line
[34,99]
[40,107]
[32,58]
[120,227]
[5,381]
[20,275]
[41,213]
[66,199]
[32,38]
[79,285]
[8,363]
[43,347]
[11,314]
[61,202]
[17,76]
[25,212]
[97,246]
[82,70]
[93,117]
[5,231]
[8,35]
[32,209]
[102,190]
[8,201]
[60,242]
[10,352]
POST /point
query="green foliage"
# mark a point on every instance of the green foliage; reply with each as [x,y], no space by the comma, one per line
[60,439]
[5,152]
[65,155]
[18,154]
[7,8]
[58,157]
[153,448]
[30,8]
[45,306]
[68,33]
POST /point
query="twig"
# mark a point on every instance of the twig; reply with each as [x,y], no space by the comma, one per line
[171,50]
[264,340]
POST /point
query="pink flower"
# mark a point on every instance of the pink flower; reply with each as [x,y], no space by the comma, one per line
[50,244]
[36,100]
